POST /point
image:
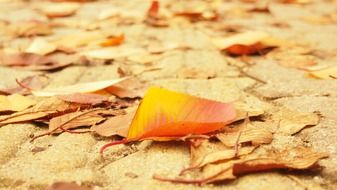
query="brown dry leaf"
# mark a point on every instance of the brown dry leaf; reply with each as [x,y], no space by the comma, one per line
[204,152]
[78,39]
[53,10]
[294,158]
[153,18]
[113,41]
[297,158]
[291,122]
[245,133]
[30,28]
[248,43]
[117,125]
[129,88]
[32,61]
[79,119]
[326,73]
[15,102]
[84,98]
[196,15]
[299,61]
[43,109]
[78,88]
[40,47]
[22,86]
[66,186]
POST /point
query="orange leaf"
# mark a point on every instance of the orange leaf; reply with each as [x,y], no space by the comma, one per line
[166,115]
[113,41]
[153,10]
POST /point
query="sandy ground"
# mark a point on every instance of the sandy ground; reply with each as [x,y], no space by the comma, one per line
[200,70]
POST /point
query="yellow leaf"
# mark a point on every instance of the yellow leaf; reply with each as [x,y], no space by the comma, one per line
[59,9]
[327,73]
[15,102]
[41,47]
[78,88]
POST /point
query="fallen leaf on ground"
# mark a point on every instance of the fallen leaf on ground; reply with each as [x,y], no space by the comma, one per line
[40,47]
[30,28]
[117,125]
[43,109]
[291,122]
[84,98]
[15,102]
[245,133]
[207,152]
[78,119]
[78,39]
[113,41]
[326,73]
[296,158]
[78,88]
[153,18]
[167,115]
[199,15]
[66,186]
[22,87]
[248,43]
[32,61]
[64,9]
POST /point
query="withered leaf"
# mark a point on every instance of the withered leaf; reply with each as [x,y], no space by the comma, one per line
[15,102]
[30,28]
[117,125]
[153,18]
[243,134]
[78,88]
[22,87]
[291,122]
[40,47]
[325,73]
[45,108]
[80,118]
[32,61]
[248,43]
[84,98]
[209,152]
[64,9]
[293,158]
[297,158]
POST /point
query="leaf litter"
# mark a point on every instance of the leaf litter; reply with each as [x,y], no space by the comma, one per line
[224,143]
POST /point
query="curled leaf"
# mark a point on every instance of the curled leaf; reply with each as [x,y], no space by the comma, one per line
[165,113]
[297,158]
[78,88]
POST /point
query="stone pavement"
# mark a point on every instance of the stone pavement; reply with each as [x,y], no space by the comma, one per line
[200,69]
